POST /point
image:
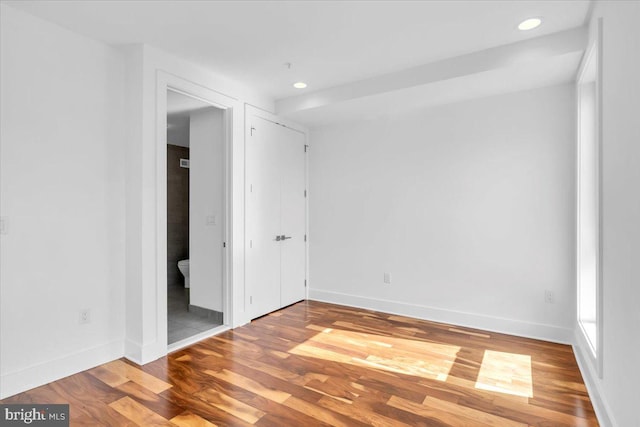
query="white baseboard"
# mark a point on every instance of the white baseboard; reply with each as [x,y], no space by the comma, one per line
[143,354]
[197,338]
[488,323]
[592,382]
[52,370]
[133,351]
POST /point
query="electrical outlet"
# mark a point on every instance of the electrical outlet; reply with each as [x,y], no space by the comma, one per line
[85,317]
[387,278]
[549,297]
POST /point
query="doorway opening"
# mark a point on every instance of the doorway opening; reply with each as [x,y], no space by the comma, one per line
[196,220]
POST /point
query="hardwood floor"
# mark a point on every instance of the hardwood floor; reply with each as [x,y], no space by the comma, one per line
[322,364]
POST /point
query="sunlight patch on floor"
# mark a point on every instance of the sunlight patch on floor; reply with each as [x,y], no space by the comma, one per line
[508,373]
[392,354]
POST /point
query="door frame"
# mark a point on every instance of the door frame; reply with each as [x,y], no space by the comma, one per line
[165,82]
[251,111]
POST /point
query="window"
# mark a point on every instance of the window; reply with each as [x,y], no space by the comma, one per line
[588,203]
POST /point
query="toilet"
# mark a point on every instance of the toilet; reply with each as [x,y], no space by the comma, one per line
[183,266]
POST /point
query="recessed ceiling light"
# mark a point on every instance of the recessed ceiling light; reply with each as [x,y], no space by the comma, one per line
[529,24]
[300,85]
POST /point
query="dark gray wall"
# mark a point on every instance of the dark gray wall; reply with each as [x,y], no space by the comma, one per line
[177,212]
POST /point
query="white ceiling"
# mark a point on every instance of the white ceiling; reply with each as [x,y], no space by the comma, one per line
[489,83]
[329,43]
[179,110]
[542,61]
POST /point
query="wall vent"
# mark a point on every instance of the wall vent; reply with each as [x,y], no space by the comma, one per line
[184,163]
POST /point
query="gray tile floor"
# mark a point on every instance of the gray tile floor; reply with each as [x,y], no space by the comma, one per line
[181,322]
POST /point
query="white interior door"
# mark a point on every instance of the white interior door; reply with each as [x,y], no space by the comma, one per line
[275,217]
[263,219]
[293,216]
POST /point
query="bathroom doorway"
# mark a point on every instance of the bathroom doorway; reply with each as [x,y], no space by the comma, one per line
[195,217]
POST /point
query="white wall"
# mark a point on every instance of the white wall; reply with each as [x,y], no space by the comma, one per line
[80,158]
[616,393]
[62,187]
[178,133]
[206,195]
[137,304]
[469,206]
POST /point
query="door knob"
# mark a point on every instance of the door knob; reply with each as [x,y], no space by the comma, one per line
[283,237]
[278,238]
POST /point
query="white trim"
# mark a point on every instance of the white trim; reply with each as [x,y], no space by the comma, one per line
[307,186]
[251,110]
[165,82]
[144,353]
[197,338]
[53,370]
[600,253]
[133,351]
[591,381]
[477,321]
[593,356]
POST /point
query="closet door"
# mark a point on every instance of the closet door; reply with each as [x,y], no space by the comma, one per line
[263,220]
[293,216]
[275,217]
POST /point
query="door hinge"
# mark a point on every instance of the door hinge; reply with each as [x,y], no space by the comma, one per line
[305,283]
[224,244]
[250,244]
[252,129]
[305,193]
[305,237]
[306,148]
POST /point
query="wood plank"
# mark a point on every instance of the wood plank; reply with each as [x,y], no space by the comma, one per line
[154,402]
[249,384]
[138,413]
[474,414]
[187,419]
[359,414]
[93,405]
[108,376]
[319,413]
[322,364]
[202,408]
[231,405]
[118,367]
[434,413]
